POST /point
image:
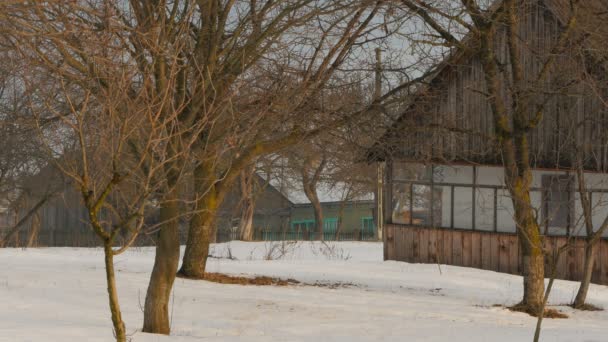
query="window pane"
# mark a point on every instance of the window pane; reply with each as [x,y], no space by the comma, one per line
[557,202]
[330,225]
[401,203]
[422,205]
[484,209]
[599,203]
[453,174]
[505,212]
[412,172]
[446,206]
[427,206]
[463,208]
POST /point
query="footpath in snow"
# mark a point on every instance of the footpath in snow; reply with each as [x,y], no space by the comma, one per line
[59,294]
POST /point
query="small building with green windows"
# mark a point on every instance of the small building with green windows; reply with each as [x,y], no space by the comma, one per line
[353,219]
[289,215]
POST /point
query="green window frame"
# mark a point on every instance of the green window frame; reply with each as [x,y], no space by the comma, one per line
[330,225]
[302,224]
[368,225]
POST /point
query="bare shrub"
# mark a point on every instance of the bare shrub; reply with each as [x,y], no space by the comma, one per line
[276,250]
[331,251]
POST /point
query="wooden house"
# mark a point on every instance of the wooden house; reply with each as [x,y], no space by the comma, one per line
[444,197]
[62,219]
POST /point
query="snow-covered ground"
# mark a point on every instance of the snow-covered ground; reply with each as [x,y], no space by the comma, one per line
[59,294]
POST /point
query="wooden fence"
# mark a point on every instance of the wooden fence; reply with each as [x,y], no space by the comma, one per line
[484,250]
[357,235]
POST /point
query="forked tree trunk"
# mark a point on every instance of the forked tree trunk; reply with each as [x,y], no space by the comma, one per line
[201,224]
[581,295]
[197,245]
[166,260]
[119,326]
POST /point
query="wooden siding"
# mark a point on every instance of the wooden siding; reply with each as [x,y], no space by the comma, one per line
[484,250]
[451,120]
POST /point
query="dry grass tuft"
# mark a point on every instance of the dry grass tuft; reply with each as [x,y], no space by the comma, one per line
[549,313]
[587,307]
[221,278]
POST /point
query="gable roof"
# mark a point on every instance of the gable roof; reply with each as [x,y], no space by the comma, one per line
[590,29]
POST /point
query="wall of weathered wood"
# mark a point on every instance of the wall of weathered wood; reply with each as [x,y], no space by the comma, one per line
[484,250]
[451,119]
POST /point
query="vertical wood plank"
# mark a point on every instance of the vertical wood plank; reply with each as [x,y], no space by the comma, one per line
[415,245]
[388,240]
[457,248]
[486,251]
[548,245]
[476,250]
[490,251]
[423,243]
[447,246]
[432,248]
[503,253]
[604,266]
[597,265]
[408,244]
[570,263]
[579,258]
[466,249]
[398,243]
[513,254]
[494,251]
[563,262]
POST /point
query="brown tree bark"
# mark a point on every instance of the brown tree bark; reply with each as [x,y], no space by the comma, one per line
[248,205]
[511,116]
[201,223]
[246,223]
[32,239]
[581,295]
[309,184]
[166,260]
[592,238]
[518,178]
[119,326]
[21,222]
[318,211]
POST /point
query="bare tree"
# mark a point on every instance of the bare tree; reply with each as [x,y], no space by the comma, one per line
[592,236]
[512,90]
[290,80]
[116,122]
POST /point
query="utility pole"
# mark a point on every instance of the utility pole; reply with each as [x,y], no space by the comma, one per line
[380,165]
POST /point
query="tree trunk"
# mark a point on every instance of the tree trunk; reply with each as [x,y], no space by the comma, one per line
[248,205]
[316,205]
[166,260]
[119,325]
[32,240]
[201,224]
[246,222]
[581,296]
[19,223]
[311,193]
[534,281]
[530,239]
